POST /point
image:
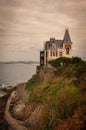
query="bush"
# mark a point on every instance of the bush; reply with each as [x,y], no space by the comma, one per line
[49,120]
[68,99]
[65,101]
[58,61]
[34,81]
[35,98]
[76,60]
[65,61]
[76,122]
[61,105]
[81,112]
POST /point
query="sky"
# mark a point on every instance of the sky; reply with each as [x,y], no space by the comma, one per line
[26,24]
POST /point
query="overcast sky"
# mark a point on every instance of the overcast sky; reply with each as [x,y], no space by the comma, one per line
[26,24]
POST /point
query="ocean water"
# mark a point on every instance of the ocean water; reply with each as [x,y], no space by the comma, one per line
[12,74]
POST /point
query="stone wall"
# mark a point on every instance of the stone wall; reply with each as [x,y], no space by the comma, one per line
[45,73]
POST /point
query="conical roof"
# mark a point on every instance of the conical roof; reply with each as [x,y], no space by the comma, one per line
[67,38]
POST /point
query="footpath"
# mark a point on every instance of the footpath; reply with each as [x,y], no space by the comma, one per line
[14,123]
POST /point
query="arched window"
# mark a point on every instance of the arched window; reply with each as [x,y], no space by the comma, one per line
[54,46]
[67,51]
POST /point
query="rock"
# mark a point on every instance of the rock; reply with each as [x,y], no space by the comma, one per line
[3,124]
[4,95]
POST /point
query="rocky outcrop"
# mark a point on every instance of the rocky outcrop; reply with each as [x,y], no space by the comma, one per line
[34,116]
[9,97]
[14,123]
[20,115]
[3,124]
[5,93]
[21,93]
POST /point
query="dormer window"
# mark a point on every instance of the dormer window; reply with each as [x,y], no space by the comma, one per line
[54,46]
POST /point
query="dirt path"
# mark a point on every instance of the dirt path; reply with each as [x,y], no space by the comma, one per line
[14,124]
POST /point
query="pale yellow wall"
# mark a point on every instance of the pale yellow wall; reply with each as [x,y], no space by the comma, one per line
[63,50]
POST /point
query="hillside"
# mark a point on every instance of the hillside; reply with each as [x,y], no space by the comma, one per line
[58,103]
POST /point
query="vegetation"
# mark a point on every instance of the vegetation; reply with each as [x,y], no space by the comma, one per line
[33,82]
[64,95]
[65,61]
[76,122]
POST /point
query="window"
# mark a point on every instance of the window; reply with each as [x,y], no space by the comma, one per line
[54,46]
[54,53]
[51,53]
[42,54]
[46,54]
[48,45]
[60,54]
[67,51]
[42,62]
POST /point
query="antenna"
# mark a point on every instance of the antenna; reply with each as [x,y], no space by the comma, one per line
[66,28]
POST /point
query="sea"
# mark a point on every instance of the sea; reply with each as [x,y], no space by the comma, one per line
[13,74]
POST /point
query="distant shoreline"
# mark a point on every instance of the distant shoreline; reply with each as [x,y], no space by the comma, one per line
[20,62]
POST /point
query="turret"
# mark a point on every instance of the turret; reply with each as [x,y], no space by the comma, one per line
[67,38]
[67,44]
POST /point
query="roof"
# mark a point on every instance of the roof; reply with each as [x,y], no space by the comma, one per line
[67,38]
[59,44]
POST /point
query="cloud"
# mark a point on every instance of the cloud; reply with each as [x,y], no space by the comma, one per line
[26,24]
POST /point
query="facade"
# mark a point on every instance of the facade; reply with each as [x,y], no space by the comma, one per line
[56,48]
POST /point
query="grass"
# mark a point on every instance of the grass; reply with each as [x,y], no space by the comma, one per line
[60,93]
[33,82]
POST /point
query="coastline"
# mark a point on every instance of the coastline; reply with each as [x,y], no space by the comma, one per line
[20,62]
[6,92]
[10,96]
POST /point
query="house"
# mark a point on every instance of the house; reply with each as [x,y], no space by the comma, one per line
[56,48]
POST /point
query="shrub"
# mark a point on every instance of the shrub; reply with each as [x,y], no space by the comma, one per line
[65,61]
[81,112]
[68,99]
[65,101]
[49,120]
[76,122]
[58,61]
[34,81]
[35,98]
[76,60]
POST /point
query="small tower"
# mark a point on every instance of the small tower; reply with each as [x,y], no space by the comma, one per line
[67,38]
[67,44]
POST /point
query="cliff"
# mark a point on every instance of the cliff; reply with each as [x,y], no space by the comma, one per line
[6,92]
[57,102]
